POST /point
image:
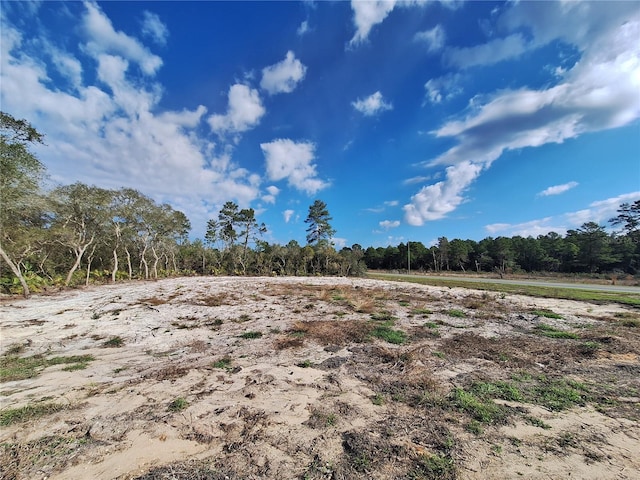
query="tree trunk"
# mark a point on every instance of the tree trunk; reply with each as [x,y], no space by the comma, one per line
[115,264]
[16,271]
[156,259]
[126,250]
[79,250]
[89,260]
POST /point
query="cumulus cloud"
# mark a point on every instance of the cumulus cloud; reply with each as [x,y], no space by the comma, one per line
[434,38]
[153,28]
[113,132]
[284,76]
[557,189]
[287,214]
[388,224]
[103,38]
[372,105]
[433,202]
[286,159]
[368,14]
[272,193]
[244,111]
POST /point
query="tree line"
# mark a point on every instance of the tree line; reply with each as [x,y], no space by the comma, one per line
[74,234]
[588,249]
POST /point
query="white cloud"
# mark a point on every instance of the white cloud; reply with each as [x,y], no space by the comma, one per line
[367,14]
[388,224]
[371,105]
[532,228]
[433,202]
[287,159]
[103,38]
[284,76]
[114,134]
[600,92]
[153,28]
[244,111]
[558,189]
[303,28]
[494,51]
[443,88]
[272,193]
[599,212]
[434,38]
[287,214]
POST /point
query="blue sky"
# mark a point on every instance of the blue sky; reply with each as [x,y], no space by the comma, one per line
[411,120]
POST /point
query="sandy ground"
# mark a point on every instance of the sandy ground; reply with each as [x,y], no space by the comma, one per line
[185,392]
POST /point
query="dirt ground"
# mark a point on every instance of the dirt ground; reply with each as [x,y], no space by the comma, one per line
[316,378]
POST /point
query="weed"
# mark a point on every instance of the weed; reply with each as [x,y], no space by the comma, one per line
[224,363]
[114,342]
[243,318]
[552,332]
[475,427]
[403,303]
[29,412]
[377,399]
[456,313]
[502,390]
[421,311]
[631,323]
[432,467]
[390,335]
[382,316]
[95,316]
[438,354]
[589,348]
[304,364]
[15,349]
[250,335]
[75,366]
[496,449]
[20,368]
[536,422]
[178,405]
[546,314]
[482,411]
[431,325]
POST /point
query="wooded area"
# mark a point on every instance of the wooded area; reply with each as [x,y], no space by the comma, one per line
[75,234]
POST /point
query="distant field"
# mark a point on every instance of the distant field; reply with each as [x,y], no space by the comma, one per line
[590,292]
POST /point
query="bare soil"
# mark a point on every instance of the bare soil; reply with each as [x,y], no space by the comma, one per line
[316,378]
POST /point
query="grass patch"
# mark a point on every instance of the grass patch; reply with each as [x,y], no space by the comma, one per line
[20,368]
[224,363]
[250,335]
[555,394]
[10,416]
[382,317]
[552,332]
[114,342]
[481,410]
[388,334]
[178,405]
[547,314]
[434,467]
